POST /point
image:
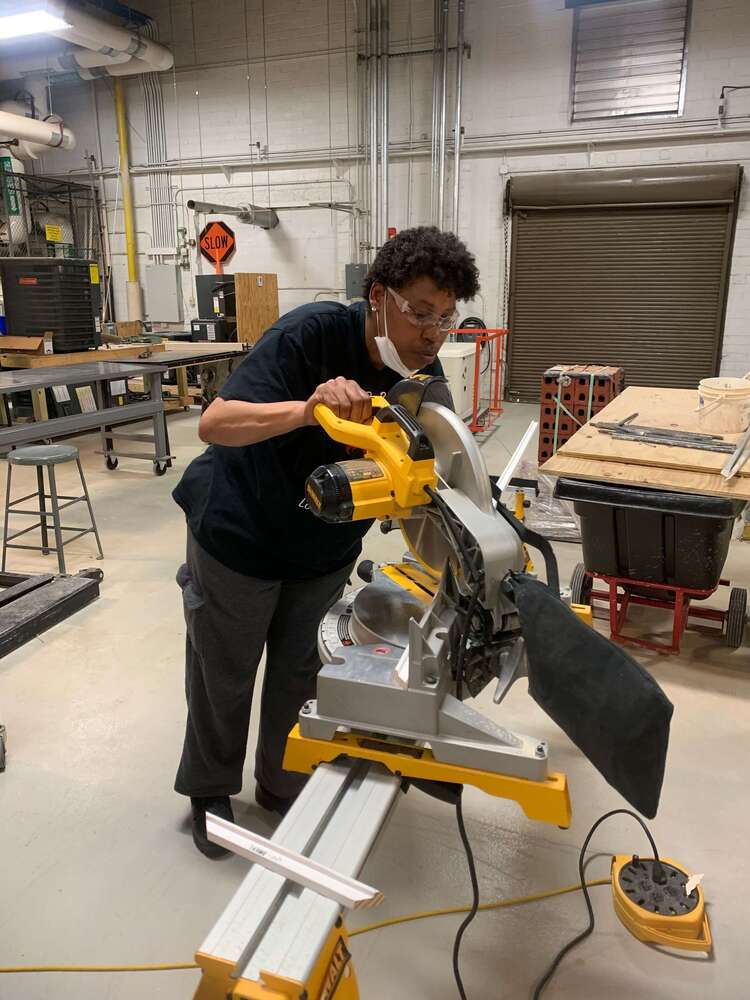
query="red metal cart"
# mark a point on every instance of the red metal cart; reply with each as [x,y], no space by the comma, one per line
[621,593]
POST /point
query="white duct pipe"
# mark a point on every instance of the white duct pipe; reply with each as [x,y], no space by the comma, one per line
[23,150]
[51,133]
[130,68]
[88,59]
[93,33]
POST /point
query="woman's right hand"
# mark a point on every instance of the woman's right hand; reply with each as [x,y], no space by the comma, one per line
[345,397]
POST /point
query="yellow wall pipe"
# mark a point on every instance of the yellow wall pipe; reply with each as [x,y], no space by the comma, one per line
[134,292]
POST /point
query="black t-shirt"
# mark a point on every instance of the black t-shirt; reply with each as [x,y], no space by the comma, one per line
[245,506]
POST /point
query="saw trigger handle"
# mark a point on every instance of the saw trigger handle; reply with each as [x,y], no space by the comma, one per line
[419,443]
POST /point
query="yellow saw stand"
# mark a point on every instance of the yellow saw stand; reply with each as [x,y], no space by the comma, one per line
[276,941]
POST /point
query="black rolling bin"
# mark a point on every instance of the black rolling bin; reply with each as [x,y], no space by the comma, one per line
[654,548]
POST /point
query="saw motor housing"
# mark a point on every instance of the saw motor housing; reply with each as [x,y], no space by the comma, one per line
[388,481]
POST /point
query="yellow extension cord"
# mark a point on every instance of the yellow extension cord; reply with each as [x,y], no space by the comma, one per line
[424,915]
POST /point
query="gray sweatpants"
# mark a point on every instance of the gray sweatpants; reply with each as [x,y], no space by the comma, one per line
[230,618]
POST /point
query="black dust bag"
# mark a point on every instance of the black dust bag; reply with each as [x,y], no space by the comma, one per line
[609,706]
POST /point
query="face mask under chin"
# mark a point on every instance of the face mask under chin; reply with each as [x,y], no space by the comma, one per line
[388,353]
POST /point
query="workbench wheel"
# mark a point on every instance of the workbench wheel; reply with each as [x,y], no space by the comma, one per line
[581,585]
[734,633]
[160,468]
[112,463]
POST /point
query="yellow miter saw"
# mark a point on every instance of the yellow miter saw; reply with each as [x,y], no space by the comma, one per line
[402,653]
[400,656]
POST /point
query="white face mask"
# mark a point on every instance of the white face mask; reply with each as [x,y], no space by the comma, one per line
[387,351]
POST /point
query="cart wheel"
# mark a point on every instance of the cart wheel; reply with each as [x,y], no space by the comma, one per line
[112,463]
[581,585]
[160,468]
[2,748]
[735,620]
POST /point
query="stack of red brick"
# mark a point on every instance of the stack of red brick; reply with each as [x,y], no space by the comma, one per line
[569,388]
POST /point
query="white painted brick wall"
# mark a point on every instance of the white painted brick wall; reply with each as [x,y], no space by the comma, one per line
[516,83]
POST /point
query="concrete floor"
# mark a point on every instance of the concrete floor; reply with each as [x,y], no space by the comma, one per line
[97,864]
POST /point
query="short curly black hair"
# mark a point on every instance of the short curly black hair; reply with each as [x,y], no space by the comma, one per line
[425,252]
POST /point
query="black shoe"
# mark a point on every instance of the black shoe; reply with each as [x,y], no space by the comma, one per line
[220,806]
[273,803]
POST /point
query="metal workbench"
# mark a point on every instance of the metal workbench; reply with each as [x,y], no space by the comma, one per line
[216,362]
[106,416]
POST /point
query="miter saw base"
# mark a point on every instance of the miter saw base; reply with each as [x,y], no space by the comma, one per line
[460,735]
[546,801]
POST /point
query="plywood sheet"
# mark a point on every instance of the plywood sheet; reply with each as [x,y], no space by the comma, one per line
[113,353]
[674,409]
[257,302]
[679,480]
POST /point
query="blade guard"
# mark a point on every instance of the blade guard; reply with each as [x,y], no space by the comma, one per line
[396,442]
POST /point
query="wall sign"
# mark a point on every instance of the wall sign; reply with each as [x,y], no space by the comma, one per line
[217,242]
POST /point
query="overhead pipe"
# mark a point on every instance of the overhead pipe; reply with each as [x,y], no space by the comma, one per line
[52,134]
[78,58]
[133,67]
[264,218]
[108,39]
[383,61]
[443,109]
[373,75]
[436,57]
[135,305]
[457,125]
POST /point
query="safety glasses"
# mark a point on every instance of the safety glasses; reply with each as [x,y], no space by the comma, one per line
[423,320]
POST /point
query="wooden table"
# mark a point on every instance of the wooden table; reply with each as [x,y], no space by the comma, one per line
[591,454]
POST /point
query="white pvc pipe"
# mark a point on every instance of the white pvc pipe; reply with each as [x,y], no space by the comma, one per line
[52,134]
[93,33]
[88,59]
[130,68]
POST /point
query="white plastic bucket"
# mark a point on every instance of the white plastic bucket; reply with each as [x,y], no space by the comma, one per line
[724,404]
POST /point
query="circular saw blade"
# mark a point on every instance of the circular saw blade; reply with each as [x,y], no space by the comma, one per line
[460,466]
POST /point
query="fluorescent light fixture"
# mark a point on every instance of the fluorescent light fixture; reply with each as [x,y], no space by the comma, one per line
[35,21]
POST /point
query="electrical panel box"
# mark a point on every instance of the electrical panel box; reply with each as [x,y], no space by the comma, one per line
[163,293]
[458,361]
[355,278]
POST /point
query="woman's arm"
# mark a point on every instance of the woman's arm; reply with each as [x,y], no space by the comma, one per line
[235,424]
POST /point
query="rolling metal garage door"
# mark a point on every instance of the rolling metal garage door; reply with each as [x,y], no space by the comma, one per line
[622,267]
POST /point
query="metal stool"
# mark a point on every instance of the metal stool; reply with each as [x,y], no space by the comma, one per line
[41,457]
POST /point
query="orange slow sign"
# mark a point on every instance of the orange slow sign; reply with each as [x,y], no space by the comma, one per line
[217,242]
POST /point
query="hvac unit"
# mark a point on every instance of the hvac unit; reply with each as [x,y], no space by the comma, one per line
[51,295]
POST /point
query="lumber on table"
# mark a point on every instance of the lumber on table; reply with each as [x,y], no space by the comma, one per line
[673,409]
[679,480]
[115,352]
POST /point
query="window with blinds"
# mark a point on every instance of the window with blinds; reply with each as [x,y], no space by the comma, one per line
[629,58]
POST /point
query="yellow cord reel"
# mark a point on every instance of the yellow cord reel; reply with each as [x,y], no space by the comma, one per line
[660,912]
